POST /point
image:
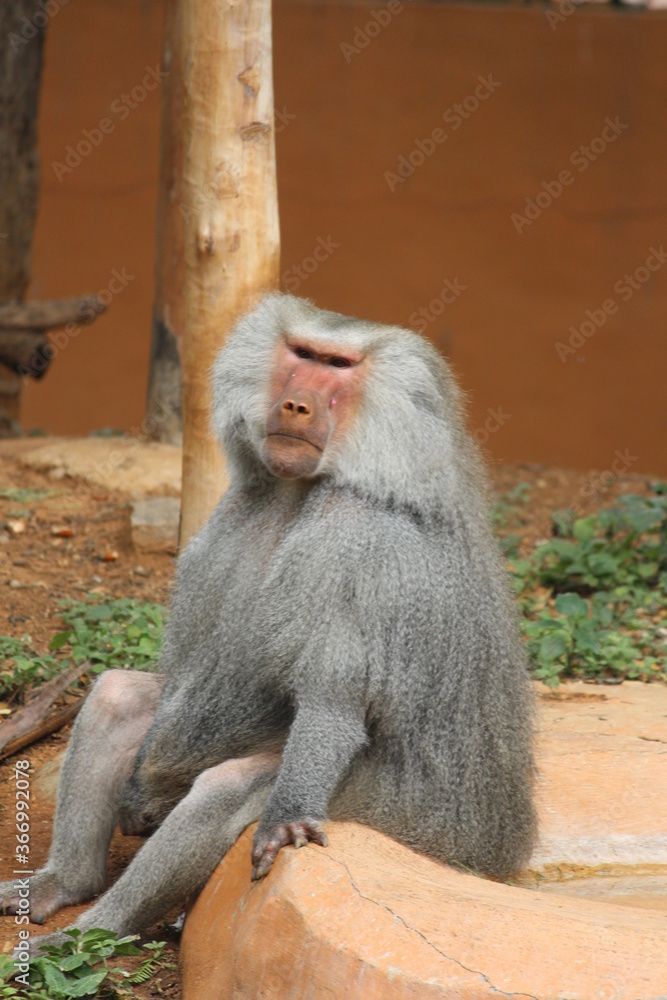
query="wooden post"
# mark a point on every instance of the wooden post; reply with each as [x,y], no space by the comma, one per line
[230,207]
[163,401]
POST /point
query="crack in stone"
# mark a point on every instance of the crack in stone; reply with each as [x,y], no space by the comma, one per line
[449,958]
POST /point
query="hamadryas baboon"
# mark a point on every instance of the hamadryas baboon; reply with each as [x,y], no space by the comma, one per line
[341,642]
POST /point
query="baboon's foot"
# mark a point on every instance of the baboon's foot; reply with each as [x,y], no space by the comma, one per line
[40,896]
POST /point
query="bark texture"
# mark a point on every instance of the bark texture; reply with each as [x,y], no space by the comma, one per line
[230,207]
[163,401]
[21,45]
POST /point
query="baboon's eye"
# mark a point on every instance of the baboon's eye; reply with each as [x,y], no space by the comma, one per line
[340,362]
[303,352]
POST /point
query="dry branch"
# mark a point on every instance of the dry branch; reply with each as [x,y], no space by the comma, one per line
[33,721]
[37,316]
[51,724]
[24,346]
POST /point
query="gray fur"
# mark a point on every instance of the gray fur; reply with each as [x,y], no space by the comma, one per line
[360,620]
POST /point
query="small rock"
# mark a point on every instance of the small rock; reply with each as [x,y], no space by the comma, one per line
[61,531]
[155,523]
[110,555]
[16,584]
[140,571]
[19,562]
[15,526]
[97,579]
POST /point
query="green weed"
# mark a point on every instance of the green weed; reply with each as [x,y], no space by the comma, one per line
[80,968]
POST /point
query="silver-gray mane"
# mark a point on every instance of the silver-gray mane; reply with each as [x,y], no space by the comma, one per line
[409,444]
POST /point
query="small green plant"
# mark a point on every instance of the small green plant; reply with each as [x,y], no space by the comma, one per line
[150,965]
[586,638]
[80,968]
[22,667]
[605,577]
[21,494]
[505,512]
[120,633]
[623,545]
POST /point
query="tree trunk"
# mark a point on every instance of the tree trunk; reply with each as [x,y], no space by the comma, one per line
[230,207]
[22,30]
[164,381]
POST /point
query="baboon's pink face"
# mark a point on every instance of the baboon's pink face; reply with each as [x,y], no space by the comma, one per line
[315,391]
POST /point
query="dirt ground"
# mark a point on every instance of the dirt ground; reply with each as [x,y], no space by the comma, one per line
[38,567]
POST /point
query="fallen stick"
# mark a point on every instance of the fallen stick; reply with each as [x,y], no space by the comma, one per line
[51,724]
[32,721]
[35,315]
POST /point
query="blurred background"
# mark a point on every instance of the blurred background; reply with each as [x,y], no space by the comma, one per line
[491,175]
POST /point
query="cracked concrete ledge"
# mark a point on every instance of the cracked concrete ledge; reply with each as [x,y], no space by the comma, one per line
[368,919]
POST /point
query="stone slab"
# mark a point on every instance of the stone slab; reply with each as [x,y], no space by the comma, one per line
[602,788]
[127,465]
[368,919]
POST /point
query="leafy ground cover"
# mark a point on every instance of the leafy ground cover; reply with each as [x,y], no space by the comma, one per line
[81,967]
[117,633]
[593,597]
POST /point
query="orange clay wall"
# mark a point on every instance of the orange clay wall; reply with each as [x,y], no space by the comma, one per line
[491,176]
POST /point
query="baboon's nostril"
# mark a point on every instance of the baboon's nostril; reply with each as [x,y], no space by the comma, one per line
[294,407]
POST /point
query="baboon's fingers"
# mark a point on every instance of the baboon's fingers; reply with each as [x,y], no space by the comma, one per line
[267,844]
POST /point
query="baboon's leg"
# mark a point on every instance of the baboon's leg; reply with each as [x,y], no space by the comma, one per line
[97,765]
[176,862]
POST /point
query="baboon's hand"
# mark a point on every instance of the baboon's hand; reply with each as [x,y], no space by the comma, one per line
[267,843]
